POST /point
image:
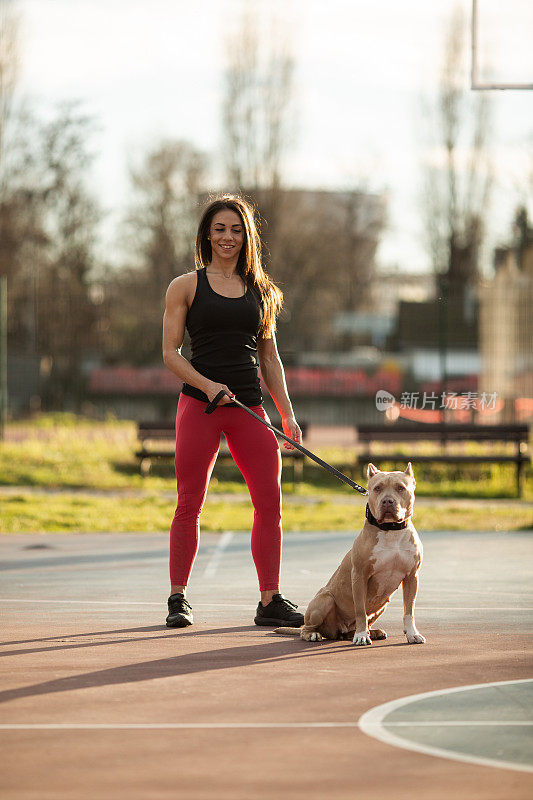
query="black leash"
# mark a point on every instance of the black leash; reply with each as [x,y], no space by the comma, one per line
[213,404]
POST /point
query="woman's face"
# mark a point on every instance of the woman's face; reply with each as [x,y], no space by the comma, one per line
[226,234]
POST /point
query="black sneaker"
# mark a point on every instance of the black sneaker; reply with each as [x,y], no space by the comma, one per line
[179,611]
[279,611]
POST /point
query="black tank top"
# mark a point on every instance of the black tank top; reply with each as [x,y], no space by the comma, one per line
[224,333]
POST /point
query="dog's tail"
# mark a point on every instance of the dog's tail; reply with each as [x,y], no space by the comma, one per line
[288,631]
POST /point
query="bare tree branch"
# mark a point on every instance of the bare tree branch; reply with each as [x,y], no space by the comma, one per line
[9,69]
[256,106]
[455,198]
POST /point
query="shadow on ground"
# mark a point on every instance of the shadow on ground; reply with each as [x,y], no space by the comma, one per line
[272,650]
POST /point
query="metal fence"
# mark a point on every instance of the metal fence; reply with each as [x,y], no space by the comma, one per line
[470,357]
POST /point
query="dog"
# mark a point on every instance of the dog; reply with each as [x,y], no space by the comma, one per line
[386,553]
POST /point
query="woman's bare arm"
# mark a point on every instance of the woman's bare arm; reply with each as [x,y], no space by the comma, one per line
[176,307]
[274,376]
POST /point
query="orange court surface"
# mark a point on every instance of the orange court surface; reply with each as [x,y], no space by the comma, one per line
[100,700]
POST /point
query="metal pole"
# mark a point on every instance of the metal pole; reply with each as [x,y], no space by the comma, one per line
[473,75]
[3,354]
[442,300]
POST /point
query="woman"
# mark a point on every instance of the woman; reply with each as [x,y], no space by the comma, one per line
[229,306]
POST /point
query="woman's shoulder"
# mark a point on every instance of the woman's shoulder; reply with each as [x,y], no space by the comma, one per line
[182,285]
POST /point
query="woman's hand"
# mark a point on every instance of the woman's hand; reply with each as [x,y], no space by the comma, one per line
[214,388]
[292,429]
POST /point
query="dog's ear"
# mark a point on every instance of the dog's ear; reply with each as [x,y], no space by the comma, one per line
[371,470]
[409,470]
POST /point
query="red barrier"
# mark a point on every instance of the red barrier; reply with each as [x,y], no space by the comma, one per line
[312,381]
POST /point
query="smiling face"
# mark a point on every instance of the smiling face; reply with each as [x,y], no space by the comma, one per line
[391,495]
[227,235]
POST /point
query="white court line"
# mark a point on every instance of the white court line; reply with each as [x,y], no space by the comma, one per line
[484,591]
[43,726]
[473,608]
[121,603]
[214,561]
[372,723]
[165,725]
[248,605]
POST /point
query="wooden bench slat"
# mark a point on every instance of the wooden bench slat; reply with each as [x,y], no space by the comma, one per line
[411,436]
[149,453]
[428,427]
[444,458]
[162,432]
[446,434]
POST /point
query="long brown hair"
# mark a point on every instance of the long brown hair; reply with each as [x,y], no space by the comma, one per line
[249,265]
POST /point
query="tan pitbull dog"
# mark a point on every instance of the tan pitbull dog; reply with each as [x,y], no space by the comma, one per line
[386,553]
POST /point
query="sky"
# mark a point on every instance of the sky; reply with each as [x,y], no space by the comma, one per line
[153,69]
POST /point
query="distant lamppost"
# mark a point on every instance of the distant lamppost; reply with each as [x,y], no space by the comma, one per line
[442,300]
[3,354]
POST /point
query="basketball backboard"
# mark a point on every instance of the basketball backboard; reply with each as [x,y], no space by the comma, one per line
[502,44]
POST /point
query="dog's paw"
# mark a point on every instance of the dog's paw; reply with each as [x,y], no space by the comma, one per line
[415,637]
[361,639]
[377,633]
[311,636]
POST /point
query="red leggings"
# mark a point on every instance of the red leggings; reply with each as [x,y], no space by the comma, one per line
[256,452]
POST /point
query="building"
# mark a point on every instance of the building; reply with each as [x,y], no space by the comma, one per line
[506,334]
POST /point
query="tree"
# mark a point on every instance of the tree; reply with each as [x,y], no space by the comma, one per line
[49,229]
[162,219]
[523,232]
[256,108]
[160,232]
[66,223]
[302,230]
[9,66]
[456,193]
[257,116]
[322,257]
[10,212]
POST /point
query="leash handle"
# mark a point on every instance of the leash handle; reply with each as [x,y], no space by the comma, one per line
[210,407]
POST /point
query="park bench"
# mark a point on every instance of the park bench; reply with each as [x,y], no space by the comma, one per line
[158,438]
[445,435]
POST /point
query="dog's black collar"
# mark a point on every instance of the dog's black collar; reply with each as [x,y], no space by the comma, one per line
[386,526]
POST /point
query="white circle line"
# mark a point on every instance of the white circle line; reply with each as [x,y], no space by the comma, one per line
[456,723]
[371,723]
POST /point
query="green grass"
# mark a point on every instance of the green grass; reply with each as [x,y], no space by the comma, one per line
[56,451]
[62,451]
[88,514]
